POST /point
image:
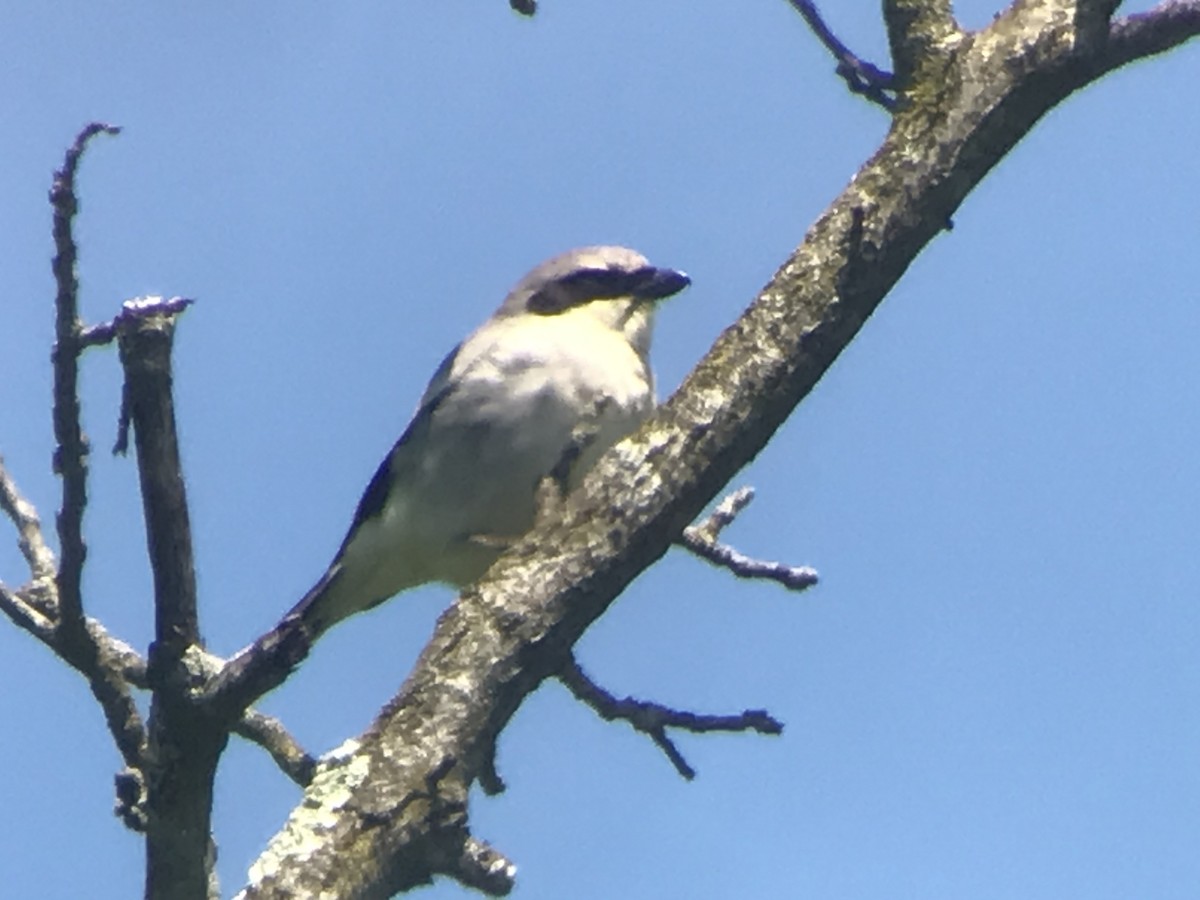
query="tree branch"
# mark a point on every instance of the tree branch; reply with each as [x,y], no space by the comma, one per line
[35,612]
[270,734]
[920,34]
[100,658]
[702,540]
[1092,22]
[30,539]
[1141,35]
[70,455]
[145,333]
[861,77]
[653,719]
[26,615]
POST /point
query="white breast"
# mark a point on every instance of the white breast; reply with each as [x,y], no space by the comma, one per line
[467,487]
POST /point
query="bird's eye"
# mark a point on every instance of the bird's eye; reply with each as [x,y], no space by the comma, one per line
[548,301]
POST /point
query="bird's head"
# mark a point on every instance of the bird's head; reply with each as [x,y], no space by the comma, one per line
[616,285]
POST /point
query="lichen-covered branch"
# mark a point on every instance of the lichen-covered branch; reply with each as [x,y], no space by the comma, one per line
[920,33]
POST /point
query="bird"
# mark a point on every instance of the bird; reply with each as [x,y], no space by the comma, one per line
[568,348]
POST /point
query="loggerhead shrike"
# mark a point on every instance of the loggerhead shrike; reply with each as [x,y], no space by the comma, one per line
[568,347]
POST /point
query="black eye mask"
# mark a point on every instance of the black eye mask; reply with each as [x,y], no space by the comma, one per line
[585,285]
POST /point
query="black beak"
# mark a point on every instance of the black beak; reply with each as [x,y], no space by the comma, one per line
[657,284]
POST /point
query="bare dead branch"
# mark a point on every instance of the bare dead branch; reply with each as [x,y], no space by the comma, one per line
[142,306]
[1140,35]
[483,868]
[270,734]
[88,648]
[861,77]
[723,514]
[259,728]
[30,539]
[145,335]
[125,660]
[794,578]
[74,640]
[102,660]
[1092,22]
[26,615]
[98,335]
[106,332]
[70,454]
[653,719]
[702,540]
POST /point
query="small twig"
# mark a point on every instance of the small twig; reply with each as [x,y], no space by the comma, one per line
[653,719]
[702,540]
[270,734]
[861,77]
[26,615]
[489,778]
[130,805]
[98,335]
[482,867]
[266,731]
[724,514]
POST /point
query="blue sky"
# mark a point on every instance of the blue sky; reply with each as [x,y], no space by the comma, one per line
[995,690]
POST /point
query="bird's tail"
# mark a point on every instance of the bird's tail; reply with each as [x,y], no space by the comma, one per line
[318,609]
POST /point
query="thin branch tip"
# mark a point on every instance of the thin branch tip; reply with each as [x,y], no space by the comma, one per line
[484,868]
[861,77]
[653,719]
[702,540]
